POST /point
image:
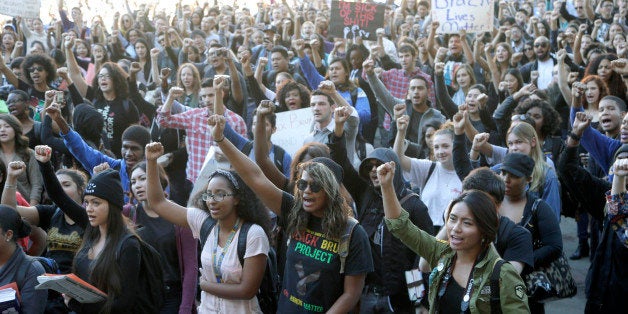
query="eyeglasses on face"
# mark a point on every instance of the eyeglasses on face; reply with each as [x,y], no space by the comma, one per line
[15,101]
[519,117]
[36,68]
[104,76]
[218,197]
[314,187]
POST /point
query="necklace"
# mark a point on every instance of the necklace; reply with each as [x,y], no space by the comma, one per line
[466,299]
[217,257]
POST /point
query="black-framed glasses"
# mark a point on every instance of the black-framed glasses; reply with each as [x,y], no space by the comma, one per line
[15,101]
[537,45]
[36,68]
[218,197]
[104,76]
[314,187]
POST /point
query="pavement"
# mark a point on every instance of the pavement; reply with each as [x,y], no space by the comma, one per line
[579,270]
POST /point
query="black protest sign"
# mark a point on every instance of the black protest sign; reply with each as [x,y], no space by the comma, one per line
[351,19]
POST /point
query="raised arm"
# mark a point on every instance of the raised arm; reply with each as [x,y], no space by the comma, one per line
[398,147]
[8,74]
[478,48]
[13,171]
[74,69]
[563,85]
[262,149]
[252,175]
[495,73]
[165,208]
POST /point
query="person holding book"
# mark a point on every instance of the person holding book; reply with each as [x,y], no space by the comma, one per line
[13,258]
[102,260]
[226,285]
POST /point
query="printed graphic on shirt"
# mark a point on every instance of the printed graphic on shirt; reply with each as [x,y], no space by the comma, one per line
[108,115]
[314,261]
[63,242]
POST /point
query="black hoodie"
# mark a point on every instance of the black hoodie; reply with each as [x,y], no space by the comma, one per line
[392,258]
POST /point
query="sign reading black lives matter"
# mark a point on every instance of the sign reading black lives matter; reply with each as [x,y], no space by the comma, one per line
[474,16]
[352,19]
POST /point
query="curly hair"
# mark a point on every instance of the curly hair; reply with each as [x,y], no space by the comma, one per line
[335,213]
[43,60]
[21,140]
[304,95]
[120,85]
[249,207]
[615,83]
[551,118]
[361,48]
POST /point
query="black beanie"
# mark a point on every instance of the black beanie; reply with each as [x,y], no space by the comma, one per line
[333,166]
[138,134]
[107,185]
[88,122]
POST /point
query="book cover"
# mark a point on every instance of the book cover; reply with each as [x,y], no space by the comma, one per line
[9,298]
[72,286]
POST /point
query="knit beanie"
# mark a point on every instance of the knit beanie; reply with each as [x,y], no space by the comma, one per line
[107,185]
[333,166]
[138,134]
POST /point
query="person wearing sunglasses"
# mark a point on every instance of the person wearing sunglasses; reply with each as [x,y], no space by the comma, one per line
[544,63]
[226,285]
[314,219]
[39,73]
[468,257]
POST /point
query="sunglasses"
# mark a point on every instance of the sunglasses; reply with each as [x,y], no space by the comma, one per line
[37,68]
[519,117]
[314,187]
[540,45]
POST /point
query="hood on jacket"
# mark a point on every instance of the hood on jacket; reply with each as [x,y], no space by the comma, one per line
[383,155]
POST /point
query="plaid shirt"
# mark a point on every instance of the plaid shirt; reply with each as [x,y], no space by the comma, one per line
[198,136]
[397,81]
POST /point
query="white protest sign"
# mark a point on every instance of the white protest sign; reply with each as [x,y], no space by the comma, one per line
[292,128]
[23,8]
[474,16]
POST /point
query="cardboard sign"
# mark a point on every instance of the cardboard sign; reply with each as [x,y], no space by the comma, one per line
[351,19]
[292,128]
[474,16]
[23,8]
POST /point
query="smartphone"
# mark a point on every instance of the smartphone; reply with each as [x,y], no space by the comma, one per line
[226,77]
[59,97]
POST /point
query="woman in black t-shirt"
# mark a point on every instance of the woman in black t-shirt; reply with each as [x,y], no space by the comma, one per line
[315,218]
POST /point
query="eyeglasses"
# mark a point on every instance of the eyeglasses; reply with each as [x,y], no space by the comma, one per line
[540,45]
[314,187]
[519,117]
[579,8]
[15,101]
[218,197]
[37,68]
[104,76]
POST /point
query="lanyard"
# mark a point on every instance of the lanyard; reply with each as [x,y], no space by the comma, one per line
[464,305]
[217,258]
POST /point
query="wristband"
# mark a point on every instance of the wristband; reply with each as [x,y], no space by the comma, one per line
[218,141]
[574,136]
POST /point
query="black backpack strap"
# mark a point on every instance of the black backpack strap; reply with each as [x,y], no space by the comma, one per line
[354,97]
[279,154]
[119,249]
[406,197]
[496,307]
[206,229]
[429,173]
[244,232]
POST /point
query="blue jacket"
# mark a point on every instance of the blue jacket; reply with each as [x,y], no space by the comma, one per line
[600,147]
[90,157]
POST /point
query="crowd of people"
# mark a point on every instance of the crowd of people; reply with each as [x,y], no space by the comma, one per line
[456,154]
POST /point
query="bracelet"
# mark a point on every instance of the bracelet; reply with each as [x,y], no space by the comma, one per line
[574,136]
[218,141]
[10,186]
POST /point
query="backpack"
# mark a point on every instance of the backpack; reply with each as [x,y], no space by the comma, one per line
[50,267]
[278,154]
[268,293]
[496,307]
[151,281]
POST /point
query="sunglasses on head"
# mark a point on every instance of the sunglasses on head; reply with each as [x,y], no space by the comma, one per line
[314,187]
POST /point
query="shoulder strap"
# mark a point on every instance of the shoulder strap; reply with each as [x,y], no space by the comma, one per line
[354,96]
[496,307]
[244,232]
[279,154]
[429,172]
[535,205]
[125,104]
[119,249]
[406,197]
[246,149]
[345,240]
[206,229]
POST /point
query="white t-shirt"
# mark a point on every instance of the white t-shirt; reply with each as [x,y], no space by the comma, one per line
[442,186]
[545,73]
[256,244]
